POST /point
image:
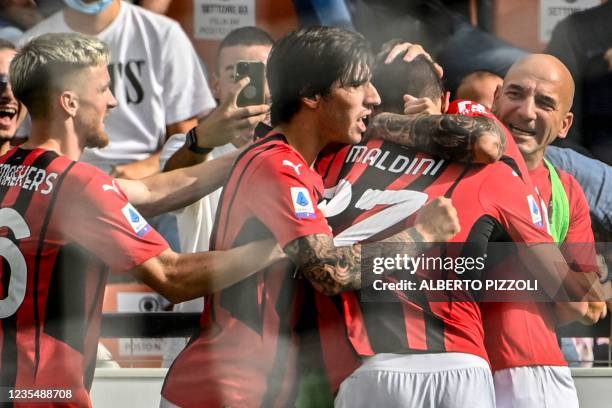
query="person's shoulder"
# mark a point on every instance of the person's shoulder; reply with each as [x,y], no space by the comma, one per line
[84,173]
[589,16]
[273,154]
[159,22]
[573,188]
[53,23]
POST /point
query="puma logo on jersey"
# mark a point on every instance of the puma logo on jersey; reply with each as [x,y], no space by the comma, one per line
[113,187]
[295,167]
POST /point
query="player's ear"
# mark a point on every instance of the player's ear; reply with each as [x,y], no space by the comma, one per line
[444,101]
[215,86]
[69,101]
[566,124]
[311,101]
[496,96]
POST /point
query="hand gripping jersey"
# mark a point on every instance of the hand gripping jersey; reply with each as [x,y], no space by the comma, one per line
[376,188]
[62,224]
[246,352]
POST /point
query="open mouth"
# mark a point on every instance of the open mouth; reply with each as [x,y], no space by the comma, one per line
[7,112]
[518,130]
[363,122]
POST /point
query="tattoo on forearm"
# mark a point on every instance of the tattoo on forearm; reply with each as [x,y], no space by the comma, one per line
[329,269]
[332,269]
[448,136]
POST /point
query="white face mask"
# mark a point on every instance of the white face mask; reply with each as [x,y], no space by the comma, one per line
[89,8]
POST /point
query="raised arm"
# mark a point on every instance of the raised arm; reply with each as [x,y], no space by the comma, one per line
[227,123]
[175,189]
[332,269]
[181,277]
[453,137]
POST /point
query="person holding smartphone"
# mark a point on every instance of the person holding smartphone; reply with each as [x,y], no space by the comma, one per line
[219,134]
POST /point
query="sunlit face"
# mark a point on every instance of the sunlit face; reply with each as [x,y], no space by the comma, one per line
[343,113]
[9,107]
[95,100]
[228,58]
[533,103]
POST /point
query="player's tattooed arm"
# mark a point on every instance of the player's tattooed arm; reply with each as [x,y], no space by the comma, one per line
[332,269]
[453,137]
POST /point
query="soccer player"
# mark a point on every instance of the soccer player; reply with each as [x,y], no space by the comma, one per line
[245,354]
[529,369]
[64,223]
[492,202]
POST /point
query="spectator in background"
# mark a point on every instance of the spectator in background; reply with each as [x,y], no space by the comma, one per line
[583,41]
[11,110]
[15,16]
[448,36]
[479,86]
[156,6]
[156,78]
[195,222]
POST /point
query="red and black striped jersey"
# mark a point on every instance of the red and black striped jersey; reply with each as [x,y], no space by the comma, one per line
[246,351]
[62,224]
[375,188]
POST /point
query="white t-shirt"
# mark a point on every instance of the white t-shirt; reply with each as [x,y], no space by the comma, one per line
[195,223]
[157,80]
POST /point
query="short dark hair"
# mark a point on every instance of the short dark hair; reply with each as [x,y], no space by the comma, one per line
[6,44]
[417,78]
[310,61]
[245,36]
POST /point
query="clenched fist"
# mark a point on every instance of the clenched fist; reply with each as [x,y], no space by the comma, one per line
[438,220]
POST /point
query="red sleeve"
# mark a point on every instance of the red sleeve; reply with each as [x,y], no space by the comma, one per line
[579,245]
[515,205]
[285,201]
[106,224]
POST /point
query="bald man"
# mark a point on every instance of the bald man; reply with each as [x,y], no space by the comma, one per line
[534,103]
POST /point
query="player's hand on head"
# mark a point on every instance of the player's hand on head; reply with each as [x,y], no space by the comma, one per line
[414,105]
[411,51]
[228,122]
[438,221]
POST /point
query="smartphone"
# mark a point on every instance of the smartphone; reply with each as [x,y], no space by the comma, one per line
[253,93]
